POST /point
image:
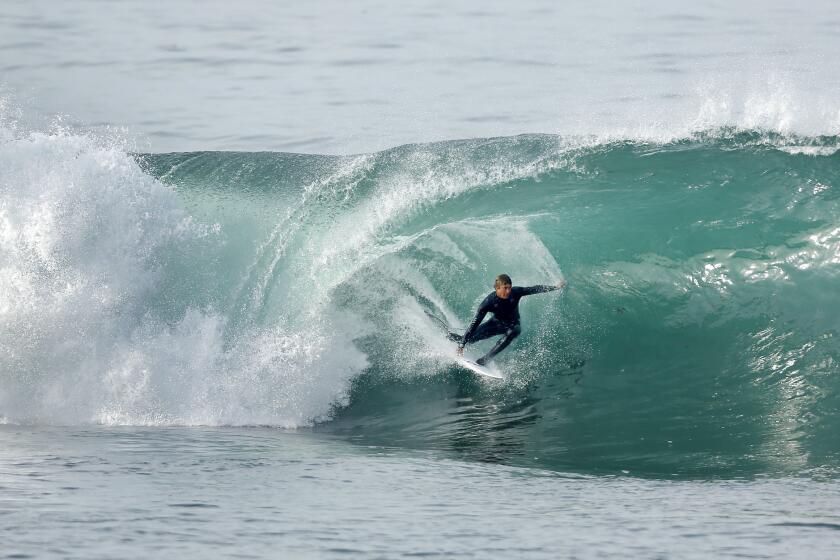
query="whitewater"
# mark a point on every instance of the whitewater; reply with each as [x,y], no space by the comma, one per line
[294,291]
[265,289]
[226,249]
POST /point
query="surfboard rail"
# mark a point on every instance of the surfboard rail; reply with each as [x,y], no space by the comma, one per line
[480,370]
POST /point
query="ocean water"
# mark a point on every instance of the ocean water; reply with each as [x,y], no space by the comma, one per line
[332,77]
[229,235]
[128,492]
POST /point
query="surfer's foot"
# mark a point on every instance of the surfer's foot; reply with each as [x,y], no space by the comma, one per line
[481,362]
[454,337]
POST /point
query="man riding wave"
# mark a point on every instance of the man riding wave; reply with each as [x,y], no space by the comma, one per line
[503,303]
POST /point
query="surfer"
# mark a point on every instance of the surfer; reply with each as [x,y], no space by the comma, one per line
[503,303]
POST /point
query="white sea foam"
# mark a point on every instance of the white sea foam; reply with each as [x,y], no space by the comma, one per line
[86,243]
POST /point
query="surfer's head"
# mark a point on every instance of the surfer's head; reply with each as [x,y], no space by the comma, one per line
[503,286]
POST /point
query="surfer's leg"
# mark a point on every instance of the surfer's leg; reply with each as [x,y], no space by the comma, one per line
[486,330]
[510,334]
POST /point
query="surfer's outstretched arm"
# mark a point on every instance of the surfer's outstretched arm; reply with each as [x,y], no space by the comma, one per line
[539,289]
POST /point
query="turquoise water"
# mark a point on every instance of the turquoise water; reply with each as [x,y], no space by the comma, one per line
[696,338]
[169,309]
[700,298]
[238,353]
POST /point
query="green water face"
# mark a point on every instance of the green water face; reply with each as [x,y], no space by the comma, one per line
[697,336]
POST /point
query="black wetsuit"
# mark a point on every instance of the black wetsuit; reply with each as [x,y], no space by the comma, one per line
[505,319]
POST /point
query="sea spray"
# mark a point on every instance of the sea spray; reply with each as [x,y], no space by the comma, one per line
[110,314]
[697,332]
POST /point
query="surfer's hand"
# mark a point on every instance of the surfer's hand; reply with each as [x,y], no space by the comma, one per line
[460,350]
[561,284]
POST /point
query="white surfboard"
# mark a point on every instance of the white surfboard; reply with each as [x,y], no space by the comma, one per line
[480,370]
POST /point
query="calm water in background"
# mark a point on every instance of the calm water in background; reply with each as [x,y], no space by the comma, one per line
[347,78]
[350,77]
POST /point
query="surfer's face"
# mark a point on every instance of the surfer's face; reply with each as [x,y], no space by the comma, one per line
[503,291]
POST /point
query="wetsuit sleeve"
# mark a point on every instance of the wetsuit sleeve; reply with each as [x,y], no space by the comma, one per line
[483,309]
[529,290]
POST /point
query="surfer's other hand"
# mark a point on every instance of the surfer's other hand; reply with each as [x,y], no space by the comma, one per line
[460,350]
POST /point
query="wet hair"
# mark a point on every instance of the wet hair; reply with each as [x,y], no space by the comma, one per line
[502,279]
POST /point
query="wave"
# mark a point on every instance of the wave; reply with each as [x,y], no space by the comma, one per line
[697,335]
